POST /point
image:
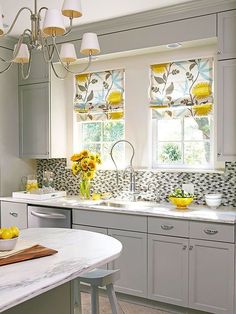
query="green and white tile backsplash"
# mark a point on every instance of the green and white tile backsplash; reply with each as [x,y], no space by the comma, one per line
[162,182]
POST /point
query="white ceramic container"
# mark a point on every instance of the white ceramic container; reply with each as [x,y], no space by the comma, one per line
[8,245]
[213,200]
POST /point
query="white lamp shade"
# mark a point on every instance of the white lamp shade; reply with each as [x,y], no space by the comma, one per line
[1,23]
[68,53]
[53,23]
[90,44]
[72,8]
[23,54]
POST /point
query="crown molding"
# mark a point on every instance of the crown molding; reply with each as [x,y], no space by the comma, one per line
[151,17]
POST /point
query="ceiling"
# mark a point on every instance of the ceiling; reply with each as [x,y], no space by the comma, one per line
[93,10]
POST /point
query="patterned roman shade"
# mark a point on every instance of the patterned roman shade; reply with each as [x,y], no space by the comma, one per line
[183,88]
[99,95]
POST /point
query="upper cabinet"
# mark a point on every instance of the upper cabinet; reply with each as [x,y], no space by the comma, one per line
[226,35]
[226,82]
[42,108]
[40,71]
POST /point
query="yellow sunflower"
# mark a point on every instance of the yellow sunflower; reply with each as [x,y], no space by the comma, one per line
[202,90]
[75,157]
[82,77]
[115,98]
[75,168]
[88,175]
[84,153]
[159,68]
[92,164]
[98,159]
[203,109]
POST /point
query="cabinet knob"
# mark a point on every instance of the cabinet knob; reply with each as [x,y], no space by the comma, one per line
[166,227]
[190,248]
[210,232]
[13,214]
[184,247]
[219,52]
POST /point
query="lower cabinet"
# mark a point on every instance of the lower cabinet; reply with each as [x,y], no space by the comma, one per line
[14,214]
[211,276]
[132,262]
[168,269]
[198,274]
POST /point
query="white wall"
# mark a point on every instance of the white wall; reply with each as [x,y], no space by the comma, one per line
[137,112]
[12,168]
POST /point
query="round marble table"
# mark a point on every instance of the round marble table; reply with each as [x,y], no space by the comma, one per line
[78,252]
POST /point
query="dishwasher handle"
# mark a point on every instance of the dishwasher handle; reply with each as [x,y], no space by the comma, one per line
[48,216]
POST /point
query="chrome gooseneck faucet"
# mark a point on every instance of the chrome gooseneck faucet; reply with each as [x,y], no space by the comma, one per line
[130,168]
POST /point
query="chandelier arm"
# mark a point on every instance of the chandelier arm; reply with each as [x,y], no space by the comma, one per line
[16,18]
[46,47]
[15,53]
[25,77]
[70,27]
[41,9]
[56,74]
[66,67]
[7,68]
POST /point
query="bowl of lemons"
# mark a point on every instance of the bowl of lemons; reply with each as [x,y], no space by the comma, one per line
[8,238]
[181,199]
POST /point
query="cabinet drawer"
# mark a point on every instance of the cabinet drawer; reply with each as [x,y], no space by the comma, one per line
[212,231]
[109,220]
[165,226]
[14,214]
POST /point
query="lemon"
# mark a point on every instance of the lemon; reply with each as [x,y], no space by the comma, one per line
[15,231]
[96,196]
[7,234]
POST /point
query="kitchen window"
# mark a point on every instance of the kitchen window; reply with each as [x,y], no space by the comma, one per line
[181,100]
[99,113]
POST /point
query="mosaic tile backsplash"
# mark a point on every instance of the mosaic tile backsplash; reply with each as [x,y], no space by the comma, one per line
[151,185]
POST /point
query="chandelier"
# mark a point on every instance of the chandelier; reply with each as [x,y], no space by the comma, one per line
[42,36]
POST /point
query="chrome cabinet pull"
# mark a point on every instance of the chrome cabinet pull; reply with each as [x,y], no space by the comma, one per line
[166,227]
[190,248]
[13,214]
[48,216]
[184,247]
[210,232]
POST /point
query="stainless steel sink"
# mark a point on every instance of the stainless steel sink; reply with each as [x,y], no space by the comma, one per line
[128,204]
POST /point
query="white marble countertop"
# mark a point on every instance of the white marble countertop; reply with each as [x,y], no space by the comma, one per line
[222,214]
[78,252]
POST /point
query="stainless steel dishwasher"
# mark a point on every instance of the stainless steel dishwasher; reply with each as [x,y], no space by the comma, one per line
[48,217]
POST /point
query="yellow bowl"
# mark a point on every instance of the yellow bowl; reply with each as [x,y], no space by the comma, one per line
[181,202]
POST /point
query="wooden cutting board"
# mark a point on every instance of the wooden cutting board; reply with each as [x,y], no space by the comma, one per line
[36,251]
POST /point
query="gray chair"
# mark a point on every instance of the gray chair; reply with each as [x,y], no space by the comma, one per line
[98,278]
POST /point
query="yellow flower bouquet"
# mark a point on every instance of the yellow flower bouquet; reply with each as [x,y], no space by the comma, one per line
[85,164]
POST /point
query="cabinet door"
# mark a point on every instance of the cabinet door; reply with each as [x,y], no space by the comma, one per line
[211,276]
[132,262]
[13,214]
[226,110]
[40,71]
[226,35]
[34,120]
[168,269]
[93,229]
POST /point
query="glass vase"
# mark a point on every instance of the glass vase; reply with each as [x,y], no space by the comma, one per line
[85,189]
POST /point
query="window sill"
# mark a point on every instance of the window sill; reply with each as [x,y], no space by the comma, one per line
[187,170]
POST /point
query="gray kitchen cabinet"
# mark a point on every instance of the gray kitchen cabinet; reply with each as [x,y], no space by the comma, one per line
[34,120]
[132,262]
[40,70]
[168,269]
[13,214]
[211,276]
[226,35]
[226,110]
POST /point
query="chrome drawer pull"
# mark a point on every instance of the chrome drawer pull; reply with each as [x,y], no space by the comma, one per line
[210,232]
[48,216]
[13,214]
[166,227]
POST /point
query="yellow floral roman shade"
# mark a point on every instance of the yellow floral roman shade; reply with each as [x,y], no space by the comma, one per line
[183,88]
[99,95]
